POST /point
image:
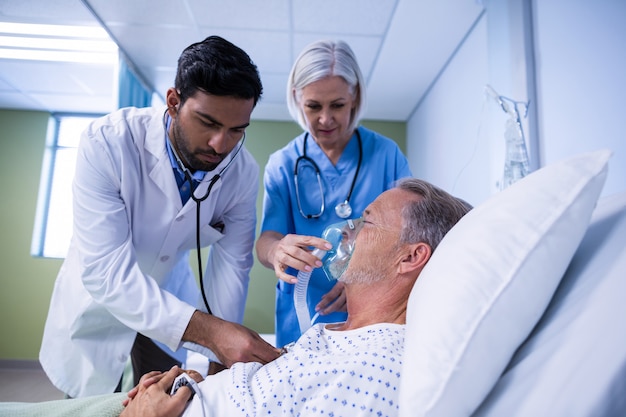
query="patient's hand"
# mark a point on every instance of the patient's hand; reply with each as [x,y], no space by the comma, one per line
[155,376]
[333,300]
[151,397]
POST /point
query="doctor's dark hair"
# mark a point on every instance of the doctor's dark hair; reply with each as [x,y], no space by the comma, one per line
[431,217]
[319,60]
[218,67]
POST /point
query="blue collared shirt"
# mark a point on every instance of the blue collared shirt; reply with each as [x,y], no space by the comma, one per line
[183,185]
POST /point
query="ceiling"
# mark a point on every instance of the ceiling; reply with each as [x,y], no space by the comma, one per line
[401,45]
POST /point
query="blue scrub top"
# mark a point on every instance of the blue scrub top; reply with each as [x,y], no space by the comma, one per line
[383,163]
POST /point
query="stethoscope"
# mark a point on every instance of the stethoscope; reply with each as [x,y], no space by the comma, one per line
[343,210]
[198,200]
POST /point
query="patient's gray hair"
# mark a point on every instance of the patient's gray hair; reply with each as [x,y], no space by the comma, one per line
[431,217]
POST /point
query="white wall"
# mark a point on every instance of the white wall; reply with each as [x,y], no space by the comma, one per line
[455,136]
[446,141]
[581,75]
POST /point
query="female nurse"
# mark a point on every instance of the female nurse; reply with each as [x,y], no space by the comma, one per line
[329,173]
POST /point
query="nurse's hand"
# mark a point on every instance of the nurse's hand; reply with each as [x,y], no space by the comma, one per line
[333,300]
[280,252]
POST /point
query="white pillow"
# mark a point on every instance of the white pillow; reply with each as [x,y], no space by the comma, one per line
[488,283]
[574,361]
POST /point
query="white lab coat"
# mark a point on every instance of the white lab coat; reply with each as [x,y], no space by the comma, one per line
[127,269]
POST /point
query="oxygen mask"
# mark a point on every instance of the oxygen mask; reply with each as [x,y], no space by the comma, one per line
[335,261]
[342,236]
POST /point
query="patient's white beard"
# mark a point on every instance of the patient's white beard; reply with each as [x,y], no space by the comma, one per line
[356,274]
[368,268]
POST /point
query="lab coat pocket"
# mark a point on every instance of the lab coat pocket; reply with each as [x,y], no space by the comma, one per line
[209,234]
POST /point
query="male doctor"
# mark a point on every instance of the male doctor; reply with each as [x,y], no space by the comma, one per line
[126,287]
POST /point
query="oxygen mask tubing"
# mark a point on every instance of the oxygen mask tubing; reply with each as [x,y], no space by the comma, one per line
[335,261]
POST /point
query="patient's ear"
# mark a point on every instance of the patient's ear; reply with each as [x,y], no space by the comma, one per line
[415,257]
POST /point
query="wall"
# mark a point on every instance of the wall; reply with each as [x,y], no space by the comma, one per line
[455,134]
[581,62]
[26,282]
[446,140]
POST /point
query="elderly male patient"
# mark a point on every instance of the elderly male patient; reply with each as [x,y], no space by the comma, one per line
[343,368]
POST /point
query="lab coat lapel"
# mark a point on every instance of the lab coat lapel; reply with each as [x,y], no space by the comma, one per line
[160,167]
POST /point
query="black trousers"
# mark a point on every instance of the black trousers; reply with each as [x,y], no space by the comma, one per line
[146,356]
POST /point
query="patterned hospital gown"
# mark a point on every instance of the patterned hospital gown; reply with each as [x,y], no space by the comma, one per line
[326,373]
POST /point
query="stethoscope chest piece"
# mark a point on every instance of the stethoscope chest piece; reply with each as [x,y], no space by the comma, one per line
[343,210]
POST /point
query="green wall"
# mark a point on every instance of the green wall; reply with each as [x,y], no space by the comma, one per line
[26,282]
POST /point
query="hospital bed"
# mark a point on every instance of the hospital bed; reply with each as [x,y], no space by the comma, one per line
[520,311]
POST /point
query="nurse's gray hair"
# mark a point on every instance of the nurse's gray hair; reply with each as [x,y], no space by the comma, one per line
[323,59]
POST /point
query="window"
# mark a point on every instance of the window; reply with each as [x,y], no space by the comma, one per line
[53,224]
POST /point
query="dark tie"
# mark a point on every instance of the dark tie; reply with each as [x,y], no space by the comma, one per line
[183,186]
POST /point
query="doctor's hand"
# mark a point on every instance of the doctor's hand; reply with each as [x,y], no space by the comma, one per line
[333,300]
[279,252]
[231,342]
[151,397]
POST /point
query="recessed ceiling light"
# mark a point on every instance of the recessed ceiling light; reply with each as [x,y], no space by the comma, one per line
[25,41]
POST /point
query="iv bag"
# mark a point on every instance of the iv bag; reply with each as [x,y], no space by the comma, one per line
[516,164]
